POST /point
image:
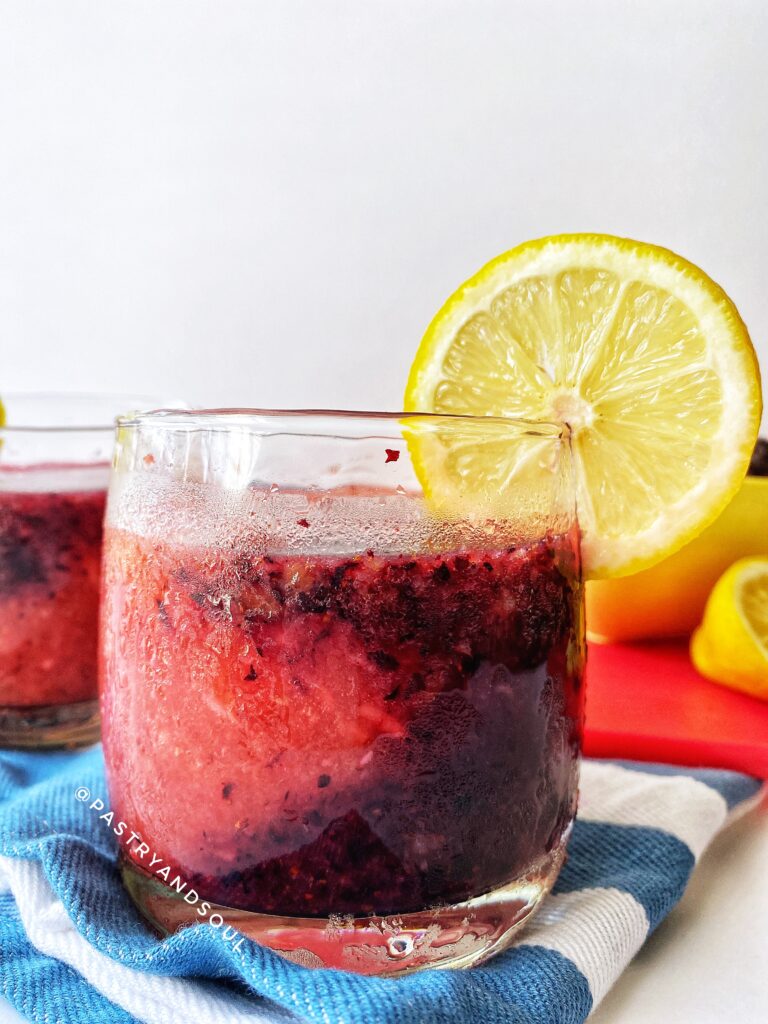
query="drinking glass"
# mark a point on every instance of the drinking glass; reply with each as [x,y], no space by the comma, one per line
[341,672]
[55,452]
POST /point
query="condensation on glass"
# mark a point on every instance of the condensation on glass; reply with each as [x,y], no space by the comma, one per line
[342,678]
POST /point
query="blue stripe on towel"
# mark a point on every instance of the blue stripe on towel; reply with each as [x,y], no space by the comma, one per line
[734,787]
[547,985]
[527,985]
[651,865]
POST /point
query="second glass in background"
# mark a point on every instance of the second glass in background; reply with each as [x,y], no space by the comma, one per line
[55,455]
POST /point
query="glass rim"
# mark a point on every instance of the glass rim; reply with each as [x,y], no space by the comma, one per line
[225,418]
[84,398]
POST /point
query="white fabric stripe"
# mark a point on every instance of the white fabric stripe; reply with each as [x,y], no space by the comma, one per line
[150,997]
[678,804]
[598,930]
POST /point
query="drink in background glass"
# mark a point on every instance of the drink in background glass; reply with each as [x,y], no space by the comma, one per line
[344,714]
[55,452]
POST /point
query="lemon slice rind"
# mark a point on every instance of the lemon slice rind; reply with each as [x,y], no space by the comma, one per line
[691,468]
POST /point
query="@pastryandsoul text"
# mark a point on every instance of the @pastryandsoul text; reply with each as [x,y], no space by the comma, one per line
[155,863]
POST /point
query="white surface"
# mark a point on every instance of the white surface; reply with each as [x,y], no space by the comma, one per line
[264,203]
[706,961]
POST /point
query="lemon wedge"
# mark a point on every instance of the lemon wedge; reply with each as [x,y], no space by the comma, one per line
[641,354]
[731,644]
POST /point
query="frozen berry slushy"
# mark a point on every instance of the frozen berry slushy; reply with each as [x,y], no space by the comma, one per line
[341,719]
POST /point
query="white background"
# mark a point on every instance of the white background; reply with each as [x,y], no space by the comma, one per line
[264,203]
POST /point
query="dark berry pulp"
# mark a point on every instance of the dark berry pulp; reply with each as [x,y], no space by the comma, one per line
[327,735]
[50,554]
[758,465]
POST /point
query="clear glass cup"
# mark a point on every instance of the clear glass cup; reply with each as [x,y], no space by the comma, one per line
[342,712]
[55,453]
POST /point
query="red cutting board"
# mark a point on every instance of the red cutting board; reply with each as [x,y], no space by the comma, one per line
[648,703]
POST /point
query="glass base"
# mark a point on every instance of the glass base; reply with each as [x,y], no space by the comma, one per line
[460,935]
[50,725]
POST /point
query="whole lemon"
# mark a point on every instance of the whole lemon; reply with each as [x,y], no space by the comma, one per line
[668,599]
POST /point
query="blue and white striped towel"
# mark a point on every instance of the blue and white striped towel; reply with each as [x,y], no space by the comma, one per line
[73,948]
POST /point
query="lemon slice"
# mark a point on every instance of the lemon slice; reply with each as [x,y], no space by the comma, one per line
[640,353]
[731,644]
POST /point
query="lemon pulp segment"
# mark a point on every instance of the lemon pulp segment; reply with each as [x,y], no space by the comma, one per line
[641,354]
